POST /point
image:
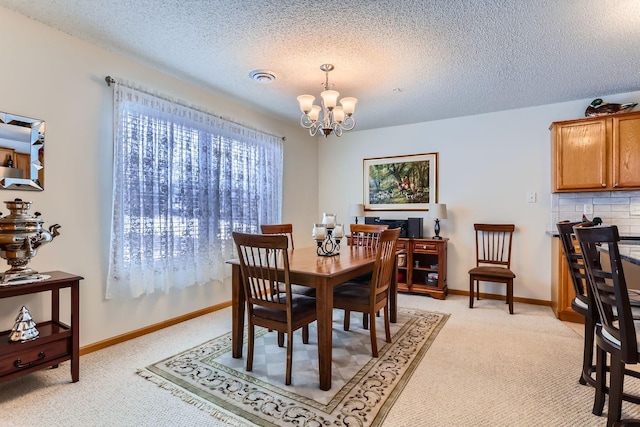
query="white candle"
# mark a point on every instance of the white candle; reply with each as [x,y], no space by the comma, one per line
[337,232]
[329,219]
[319,232]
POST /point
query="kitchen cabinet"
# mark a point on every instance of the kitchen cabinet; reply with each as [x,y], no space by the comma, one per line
[422,267]
[562,292]
[596,153]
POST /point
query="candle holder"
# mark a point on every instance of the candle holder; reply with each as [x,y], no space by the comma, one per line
[328,235]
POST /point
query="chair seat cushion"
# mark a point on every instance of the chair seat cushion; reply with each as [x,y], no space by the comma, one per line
[498,272]
[350,292]
[301,306]
[297,289]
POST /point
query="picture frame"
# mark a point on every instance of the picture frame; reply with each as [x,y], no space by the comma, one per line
[400,182]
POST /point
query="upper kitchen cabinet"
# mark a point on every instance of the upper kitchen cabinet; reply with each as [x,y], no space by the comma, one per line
[596,154]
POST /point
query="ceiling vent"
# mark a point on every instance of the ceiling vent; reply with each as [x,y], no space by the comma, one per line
[262,76]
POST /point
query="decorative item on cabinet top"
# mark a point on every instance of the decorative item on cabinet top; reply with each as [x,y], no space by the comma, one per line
[20,237]
[600,108]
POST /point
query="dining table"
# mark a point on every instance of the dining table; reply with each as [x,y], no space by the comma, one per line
[323,273]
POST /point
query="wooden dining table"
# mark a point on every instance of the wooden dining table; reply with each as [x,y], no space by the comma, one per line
[323,274]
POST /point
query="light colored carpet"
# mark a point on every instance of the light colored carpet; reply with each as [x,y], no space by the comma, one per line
[363,388]
[485,368]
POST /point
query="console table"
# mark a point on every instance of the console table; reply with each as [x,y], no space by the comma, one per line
[424,268]
[57,342]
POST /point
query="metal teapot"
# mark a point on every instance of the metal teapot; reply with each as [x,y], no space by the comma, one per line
[20,237]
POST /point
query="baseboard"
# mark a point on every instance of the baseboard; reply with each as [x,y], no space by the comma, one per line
[151,328]
[502,297]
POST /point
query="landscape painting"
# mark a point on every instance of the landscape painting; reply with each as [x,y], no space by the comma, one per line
[401,182]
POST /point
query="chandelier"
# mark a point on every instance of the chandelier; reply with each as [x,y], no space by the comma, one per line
[335,118]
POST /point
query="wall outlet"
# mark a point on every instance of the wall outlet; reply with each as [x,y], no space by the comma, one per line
[588,209]
[531,197]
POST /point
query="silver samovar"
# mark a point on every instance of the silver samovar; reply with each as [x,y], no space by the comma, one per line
[20,237]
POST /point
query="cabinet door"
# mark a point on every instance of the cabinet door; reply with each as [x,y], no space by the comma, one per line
[626,152]
[580,155]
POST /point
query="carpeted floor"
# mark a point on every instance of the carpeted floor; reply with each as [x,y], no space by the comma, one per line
[485,368]
[363,388]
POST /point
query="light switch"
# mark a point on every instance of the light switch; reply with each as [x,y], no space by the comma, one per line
[531,197]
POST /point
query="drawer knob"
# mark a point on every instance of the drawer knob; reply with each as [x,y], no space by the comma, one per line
[424,247]
[18,363]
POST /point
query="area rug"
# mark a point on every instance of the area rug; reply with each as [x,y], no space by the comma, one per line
[363,388]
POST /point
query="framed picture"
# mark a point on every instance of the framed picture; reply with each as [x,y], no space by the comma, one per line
[401,182]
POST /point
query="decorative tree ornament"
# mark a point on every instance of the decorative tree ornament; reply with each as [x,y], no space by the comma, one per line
[24,328]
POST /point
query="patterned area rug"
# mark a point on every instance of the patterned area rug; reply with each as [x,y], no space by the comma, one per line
[363,388]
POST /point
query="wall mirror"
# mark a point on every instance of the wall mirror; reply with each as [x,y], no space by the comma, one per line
[21,152]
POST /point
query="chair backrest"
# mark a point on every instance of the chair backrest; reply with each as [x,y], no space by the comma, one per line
[609,288]
[574,258]
[264,262]
[385,259]
[493,244]
[367,235]
[286,229]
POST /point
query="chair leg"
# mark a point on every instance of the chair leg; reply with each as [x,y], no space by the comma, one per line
[587,354]
[280,339]
[287,379]
[305,334]
[471,284]
[477,290]
[347,318]
[600,393]
[251,339]
[616,380]
[510,296]
[365,320]
[387,326]
[374,339]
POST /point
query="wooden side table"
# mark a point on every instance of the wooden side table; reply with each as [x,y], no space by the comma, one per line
[57,342]
[424,268]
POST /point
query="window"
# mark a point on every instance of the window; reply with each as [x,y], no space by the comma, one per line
[183,180]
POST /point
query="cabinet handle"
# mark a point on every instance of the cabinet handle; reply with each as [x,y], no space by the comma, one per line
[604,184]
[616,184]
[18,363]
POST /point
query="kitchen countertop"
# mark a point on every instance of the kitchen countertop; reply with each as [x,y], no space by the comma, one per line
[629,250]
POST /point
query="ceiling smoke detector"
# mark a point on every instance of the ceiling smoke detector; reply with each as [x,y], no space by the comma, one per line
[262,76]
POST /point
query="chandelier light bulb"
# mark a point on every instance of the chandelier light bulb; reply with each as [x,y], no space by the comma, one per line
[330,98]
[348,105]
[306,102]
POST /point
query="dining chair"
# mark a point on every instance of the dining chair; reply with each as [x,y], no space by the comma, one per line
[493,259]
[286,229]
[363,235]
[615,332]
[264,263]
[372,296]
[581,303]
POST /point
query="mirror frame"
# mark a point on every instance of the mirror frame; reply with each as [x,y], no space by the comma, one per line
[35,139]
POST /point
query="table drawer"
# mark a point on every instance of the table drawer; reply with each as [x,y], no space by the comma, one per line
[425,247]
[402,245]
[35,355]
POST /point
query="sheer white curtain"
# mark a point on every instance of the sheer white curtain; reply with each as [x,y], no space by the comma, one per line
[183,180]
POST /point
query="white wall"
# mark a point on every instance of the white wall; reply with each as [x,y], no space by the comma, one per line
[49,75]
[487,165]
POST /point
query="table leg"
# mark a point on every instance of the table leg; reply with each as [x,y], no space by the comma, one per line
[324,311]
[75,331]
[393,293]
[237,309]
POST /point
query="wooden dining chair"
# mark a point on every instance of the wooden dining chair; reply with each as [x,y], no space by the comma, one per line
[285,229]
[363,235]
[366,234]
[581,303]
[372,296]
[615,332]
[264,263]
[493,259]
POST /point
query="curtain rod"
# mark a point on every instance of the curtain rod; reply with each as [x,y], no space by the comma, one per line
[111,80]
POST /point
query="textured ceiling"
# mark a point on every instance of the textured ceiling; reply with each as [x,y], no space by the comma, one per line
[405,61]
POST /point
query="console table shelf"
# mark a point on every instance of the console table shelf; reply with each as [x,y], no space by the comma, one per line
[57,341]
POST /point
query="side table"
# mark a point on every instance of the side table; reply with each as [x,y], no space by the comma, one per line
[57,342]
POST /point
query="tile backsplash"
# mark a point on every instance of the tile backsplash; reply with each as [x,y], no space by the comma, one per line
[621,208]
